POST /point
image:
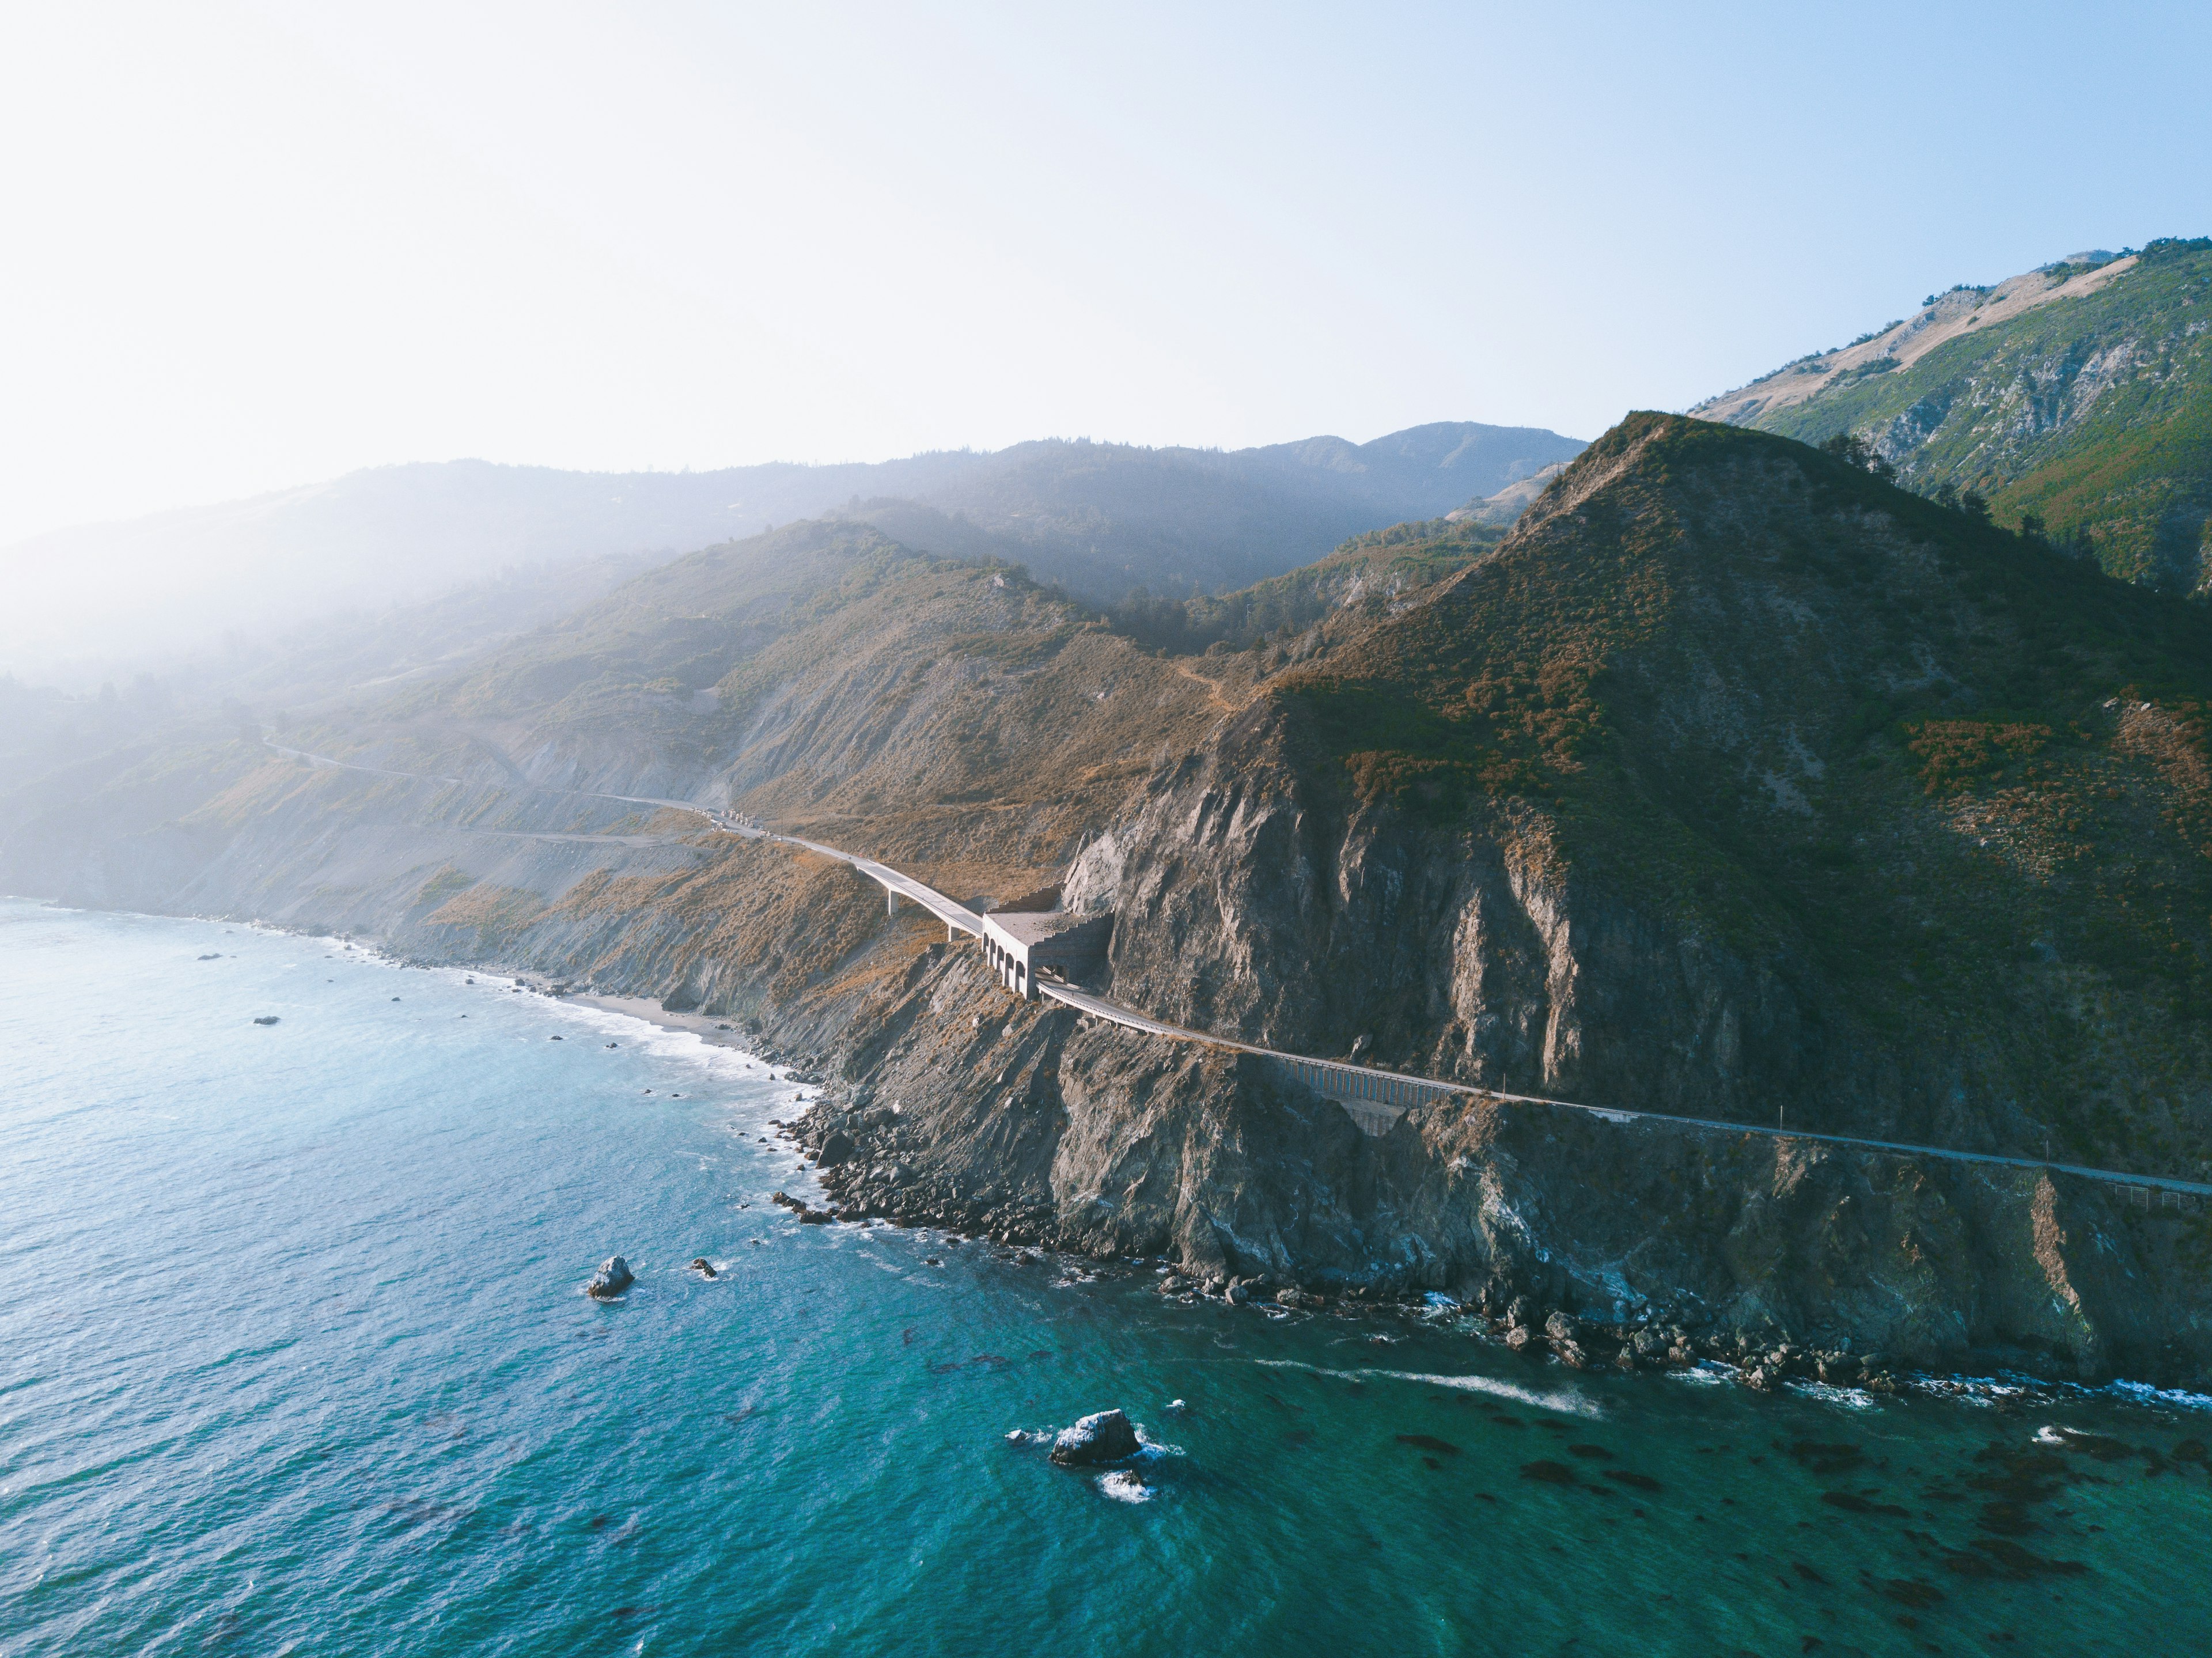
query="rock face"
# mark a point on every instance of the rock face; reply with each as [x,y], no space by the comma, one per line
[1105,1436]
[613,1277]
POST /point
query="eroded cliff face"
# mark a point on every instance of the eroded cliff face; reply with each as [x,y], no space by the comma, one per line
[1483,965]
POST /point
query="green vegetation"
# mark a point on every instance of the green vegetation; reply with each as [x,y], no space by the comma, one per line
[2091,415]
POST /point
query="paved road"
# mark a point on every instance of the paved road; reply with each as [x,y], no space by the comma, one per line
[1369,1091]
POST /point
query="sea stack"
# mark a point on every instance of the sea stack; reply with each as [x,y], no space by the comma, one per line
[1105,1436]
[613,1277]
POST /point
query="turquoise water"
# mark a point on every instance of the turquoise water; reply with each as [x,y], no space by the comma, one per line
[295,1359]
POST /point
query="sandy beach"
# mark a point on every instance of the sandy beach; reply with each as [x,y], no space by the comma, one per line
[720,1032]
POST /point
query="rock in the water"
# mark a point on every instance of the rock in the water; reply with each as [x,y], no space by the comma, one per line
[1125,1486]
[266,1018]
[1104,1437]
[1561,1326]
[704,1267]
[613,1277]
[1520,1340]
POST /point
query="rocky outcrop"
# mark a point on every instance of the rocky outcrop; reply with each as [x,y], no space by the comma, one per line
[613,1277]
[1102,1437]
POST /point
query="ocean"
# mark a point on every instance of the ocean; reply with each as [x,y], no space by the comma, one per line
[294,1357]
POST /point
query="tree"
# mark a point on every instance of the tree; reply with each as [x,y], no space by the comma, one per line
[1854,449]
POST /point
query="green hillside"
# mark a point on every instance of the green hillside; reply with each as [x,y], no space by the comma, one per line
[2092,414]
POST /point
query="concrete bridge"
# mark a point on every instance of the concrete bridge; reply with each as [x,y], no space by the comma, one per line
[1021,949]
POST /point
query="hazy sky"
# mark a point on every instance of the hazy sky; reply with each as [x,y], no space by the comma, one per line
[248,245]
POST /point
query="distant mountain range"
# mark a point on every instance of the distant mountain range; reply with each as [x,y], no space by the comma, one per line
[2078,395]
[1100,519]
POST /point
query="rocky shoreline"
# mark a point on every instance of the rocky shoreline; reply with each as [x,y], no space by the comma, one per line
[872,1160]
[943,1101]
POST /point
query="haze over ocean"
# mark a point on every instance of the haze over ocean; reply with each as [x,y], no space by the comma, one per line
[298,1362]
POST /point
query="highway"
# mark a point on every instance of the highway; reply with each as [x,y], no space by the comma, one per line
[1374,1097]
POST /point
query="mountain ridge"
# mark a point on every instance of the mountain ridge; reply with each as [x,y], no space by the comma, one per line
[2076,399]
[1101,519]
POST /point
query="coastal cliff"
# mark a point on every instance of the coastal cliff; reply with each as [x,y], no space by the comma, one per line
[1733,783]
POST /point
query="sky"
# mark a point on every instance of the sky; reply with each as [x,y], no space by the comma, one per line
[245,246]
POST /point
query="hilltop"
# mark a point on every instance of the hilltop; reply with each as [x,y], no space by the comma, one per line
[2077,397]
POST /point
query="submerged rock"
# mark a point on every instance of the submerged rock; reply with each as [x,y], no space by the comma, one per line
[1103,1437]
[266,1018]
[613,1277]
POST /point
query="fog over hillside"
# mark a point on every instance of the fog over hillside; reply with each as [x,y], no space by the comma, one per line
[101,600]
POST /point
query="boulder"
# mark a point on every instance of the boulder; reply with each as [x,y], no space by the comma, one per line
[613,1277]
[1521,1339]
[1518,1312]
[1561,1326]
[1104,1436]
[704,1267]
[838,1148]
